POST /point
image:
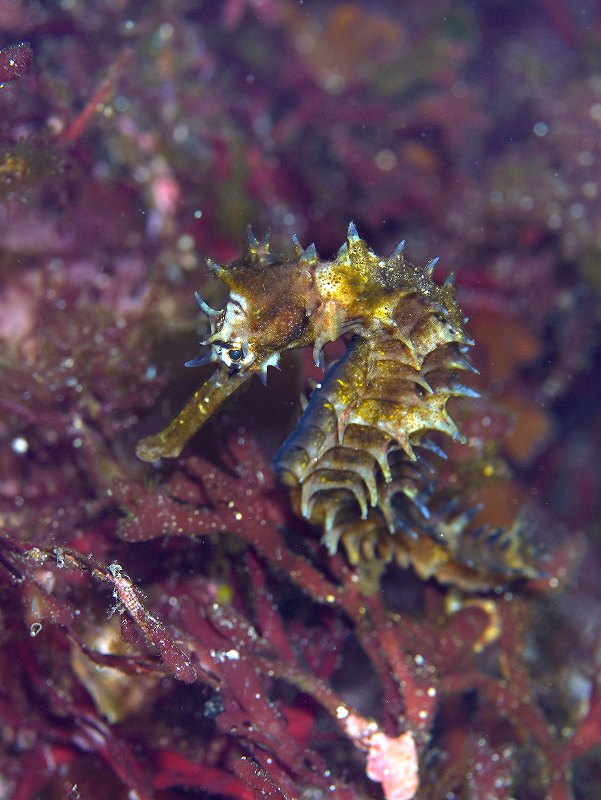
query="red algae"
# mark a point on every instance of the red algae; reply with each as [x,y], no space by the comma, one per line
[15,61]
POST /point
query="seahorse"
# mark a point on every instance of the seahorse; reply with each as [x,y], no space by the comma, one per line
[359,463]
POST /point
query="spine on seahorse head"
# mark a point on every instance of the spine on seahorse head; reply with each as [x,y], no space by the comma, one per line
[358,462]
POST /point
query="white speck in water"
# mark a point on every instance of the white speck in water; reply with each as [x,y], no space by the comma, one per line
[20,445]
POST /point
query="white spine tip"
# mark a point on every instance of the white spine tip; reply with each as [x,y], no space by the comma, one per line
[199,361]
[206,309]
[252,240]
[399,249]
[342,254]
[310,253]
[429,268]
[298,248]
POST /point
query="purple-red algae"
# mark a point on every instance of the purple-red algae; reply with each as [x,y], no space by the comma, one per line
[141,143]
[15,61]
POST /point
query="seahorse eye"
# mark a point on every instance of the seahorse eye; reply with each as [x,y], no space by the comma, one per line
[234,354]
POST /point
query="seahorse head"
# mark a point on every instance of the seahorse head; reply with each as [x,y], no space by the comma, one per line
[267,311]
[284,302]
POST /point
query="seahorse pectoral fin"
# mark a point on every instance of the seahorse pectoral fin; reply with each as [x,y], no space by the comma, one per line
[205,401]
